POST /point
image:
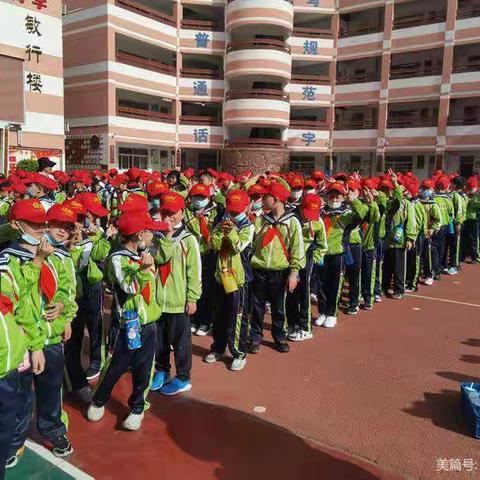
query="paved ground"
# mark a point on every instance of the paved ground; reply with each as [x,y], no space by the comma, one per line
[378,394]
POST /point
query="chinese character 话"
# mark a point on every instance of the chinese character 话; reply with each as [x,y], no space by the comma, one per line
[202,39]
[308,138]
[309,93]
[32,24]
[200,88]
[310,47]
[33,50]
[200,135]
[34,82]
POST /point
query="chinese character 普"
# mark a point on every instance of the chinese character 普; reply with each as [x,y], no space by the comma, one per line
[202,39]
[34,82]
[200,88]
[200,135]
[309,93]
[32,24]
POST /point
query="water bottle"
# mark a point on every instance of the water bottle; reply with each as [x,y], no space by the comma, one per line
[451,228]
[473,395]
[398,233]
[132,329]
[347,255]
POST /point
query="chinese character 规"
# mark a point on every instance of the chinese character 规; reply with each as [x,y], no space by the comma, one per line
[200,88]
[34,82]
[40,4]
[33,50]
[310,47]
[313,3]
[202,39]
[308,138]
[32,24]
[309,93]
[200,135]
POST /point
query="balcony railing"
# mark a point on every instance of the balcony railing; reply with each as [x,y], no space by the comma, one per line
[425,18]
[201,25]
[313,124]
[146,11]
[471,67]
[311,79]
[312,32]
[416,71]
[358,78]
[199,120]
[258,93]
[367,124]
[468,11]
[263,43]
[201,73]
[142,62]
[412,122]
[144,114]
[357,30]
[464,121]
[254,143]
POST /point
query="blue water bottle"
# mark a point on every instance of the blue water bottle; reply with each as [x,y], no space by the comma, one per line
[132,329]
[451,228]
[348,257]
[398,233]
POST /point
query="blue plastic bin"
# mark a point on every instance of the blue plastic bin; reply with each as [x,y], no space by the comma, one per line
[471,411]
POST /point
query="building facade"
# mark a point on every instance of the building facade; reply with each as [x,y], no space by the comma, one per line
[269,84]
[31,81]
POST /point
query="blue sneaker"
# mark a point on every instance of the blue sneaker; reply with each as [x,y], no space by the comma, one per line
[176,386]
[159,378]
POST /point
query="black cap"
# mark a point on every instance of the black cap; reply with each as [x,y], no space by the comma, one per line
[45,162]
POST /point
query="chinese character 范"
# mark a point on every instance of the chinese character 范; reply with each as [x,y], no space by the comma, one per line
[32,24]
[33,50]
[34,82]
[200,135]
[40,4]
[310,47]
[308,138]
[202,39]
[313,3]
[309,93]
[200,88]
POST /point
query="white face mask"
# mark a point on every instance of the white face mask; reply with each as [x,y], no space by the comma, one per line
[334,204]
[311,190]
[296,195]
[177,225]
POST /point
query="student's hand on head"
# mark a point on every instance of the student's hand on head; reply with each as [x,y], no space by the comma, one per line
[38,362]
[67,332]
[54,311]
[191,308]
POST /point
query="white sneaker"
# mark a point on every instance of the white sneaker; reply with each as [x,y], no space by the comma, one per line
[237,364]
[193,329]
[203,331]
[378,299]
[300,336]
[409,290]
[133,422]
[94,413]
[330,322]
[429,281]
[320,320]
[452,271]
[212,357]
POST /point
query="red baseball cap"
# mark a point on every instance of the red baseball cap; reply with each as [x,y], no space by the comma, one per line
[310,183]
[189,173]
[92,204]
[257,189]
[134,202]
[133,222]
[428,184]
[172,202]
[155,189]
[369,183]
[318,175]
[442,183]
[413,187]
[61,213]
[30,210]
[337,187]
[278,191]
[42,180]
[296,183]
[386,184]
[201,190]
[472,182]
[112,172]
[118,179]
[236,201]
[354,185]
[225,177]
[311,206]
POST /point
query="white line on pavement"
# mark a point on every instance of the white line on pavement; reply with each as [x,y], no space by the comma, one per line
[445,300]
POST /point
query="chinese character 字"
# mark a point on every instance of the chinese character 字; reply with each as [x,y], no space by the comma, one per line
[200,135]
[310,47]
[313,3]
[33,50]
[308,138]
[309,93]
[200,88]
[40,4]
[31,25]
[34,82]
[202,39]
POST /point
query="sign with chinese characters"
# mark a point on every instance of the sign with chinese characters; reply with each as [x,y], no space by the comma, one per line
[200,88]
[308,138]
[202,39]
[313,3]
[309,93]
[310,47]
[200,135]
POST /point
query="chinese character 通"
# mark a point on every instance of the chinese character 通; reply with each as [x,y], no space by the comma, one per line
[34,82]
[310,47]
[200,135]
[308,138]
[202,39]
[309,93]
[313,3]
[40,4]
[33,50]
[32,24]
[200,88]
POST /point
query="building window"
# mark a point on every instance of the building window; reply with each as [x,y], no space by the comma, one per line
[132,157]
[304,164]
[420,162]
[399,164]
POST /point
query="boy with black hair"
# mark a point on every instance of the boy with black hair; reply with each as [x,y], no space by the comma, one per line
[452,246]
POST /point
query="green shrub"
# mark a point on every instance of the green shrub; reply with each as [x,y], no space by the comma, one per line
[28,165]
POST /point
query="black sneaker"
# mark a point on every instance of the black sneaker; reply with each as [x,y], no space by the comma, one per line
[61,446]
[353,310]
[92,373]
[282,347]
[367,306]
[254,347]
